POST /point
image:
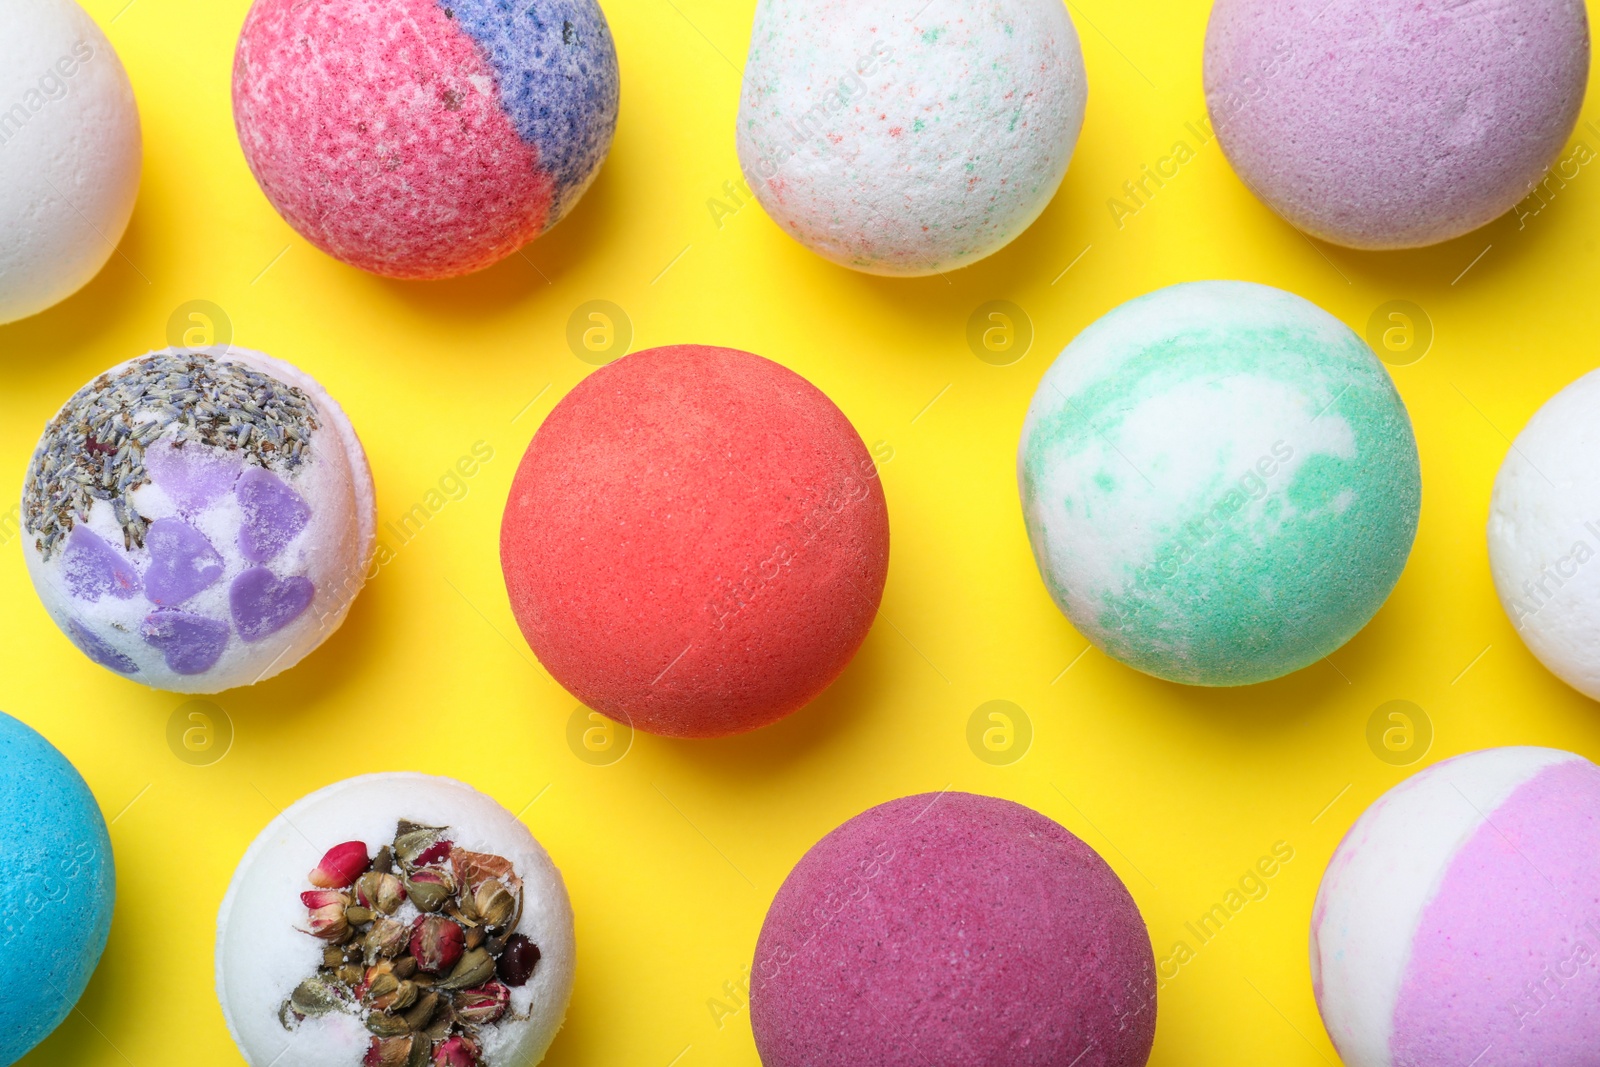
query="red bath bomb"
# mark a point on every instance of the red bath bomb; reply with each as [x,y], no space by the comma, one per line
[696,541]
[953,930]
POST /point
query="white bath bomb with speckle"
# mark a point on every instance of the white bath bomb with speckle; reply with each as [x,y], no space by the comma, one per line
[70,151]
[263,951]
[909,143]
[1544,534]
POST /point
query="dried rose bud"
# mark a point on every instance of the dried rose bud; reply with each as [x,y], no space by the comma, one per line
[518,961]
[430,889]
[328,922]
[341,866]
[401,997]
[381,986]
[322,898]
[456,1052]
[411,840]
[380,892]
[385,1025]
[494,903]
[438,852]
[390,1052]
[386,938]
[436,944]
[475,968]
[483,1005]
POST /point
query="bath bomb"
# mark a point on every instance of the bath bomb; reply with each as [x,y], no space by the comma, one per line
[70,152]
[1459,915]
[909,144]
[1220,483]
[395,920]
[424,138]
[199,519]
[696,541]
[56,891]
[1544,529]
[1388,124]
[956,930]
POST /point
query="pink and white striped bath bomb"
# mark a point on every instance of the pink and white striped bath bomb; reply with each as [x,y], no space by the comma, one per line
[953,930]
[1394,123]
[1459,921]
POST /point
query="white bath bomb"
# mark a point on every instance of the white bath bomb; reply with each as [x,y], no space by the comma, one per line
[1544,534]
[70,152]
[499,1004]
[199,519]
[909,143]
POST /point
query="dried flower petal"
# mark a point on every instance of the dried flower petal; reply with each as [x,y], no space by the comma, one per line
[341,866]
[322,898]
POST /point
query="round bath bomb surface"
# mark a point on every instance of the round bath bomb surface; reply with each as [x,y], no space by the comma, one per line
[424,138]
[1220,483]
[1390,124]
[353,892]
[696,541]
[1544,531]
[199,519]
[70,152]
[1459,915]
[56,891]
[956,930]
[909,145]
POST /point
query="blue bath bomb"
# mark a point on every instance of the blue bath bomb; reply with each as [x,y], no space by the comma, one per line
[1220,483]
[57,888]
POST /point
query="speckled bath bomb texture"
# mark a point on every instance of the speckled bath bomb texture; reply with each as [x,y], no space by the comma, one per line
[1394,123]
[1220,483]
[957,930]
[912,142]
[424,138]
[1460,915]
[1544,535]
[199,519]
[57,888]
[696,541]
[70,151]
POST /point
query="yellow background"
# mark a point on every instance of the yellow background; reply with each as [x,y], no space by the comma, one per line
[673,853]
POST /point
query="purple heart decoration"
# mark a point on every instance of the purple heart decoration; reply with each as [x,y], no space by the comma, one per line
[273,514]
[263,604]
[182,562]
[94,569]
[191,644]
[96,649]
[193,476]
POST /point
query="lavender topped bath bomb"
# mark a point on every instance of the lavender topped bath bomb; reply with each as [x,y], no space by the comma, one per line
[957,930]
[1457,922]
[909,143]
[1394,123]
[199,519]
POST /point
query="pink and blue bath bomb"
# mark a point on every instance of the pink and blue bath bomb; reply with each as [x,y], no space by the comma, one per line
[953,930]
[1459,922]
[57,888]
[424,138]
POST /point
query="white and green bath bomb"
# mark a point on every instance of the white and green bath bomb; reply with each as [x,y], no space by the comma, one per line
[1220,483]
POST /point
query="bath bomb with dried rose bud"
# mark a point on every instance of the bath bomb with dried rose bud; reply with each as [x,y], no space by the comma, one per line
[57,887]
[424,138]
[70,153]
[1544,533]
[1381,124]
[1458,915]
[909,145]
[696,541]
[395,919]
[957,930]
[198,519]
[1220,483]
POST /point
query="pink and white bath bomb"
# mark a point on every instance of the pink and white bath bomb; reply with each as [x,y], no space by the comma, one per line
[909,143]
[1544,535]
[199,519]
[395,920]
[70,152]
[957,930]
[1459,921]
[1394,123]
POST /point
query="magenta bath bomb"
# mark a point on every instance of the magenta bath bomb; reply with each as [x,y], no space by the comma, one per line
[1458,923]
[957,930]
[198,519]
[424,138]
[1394,123]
